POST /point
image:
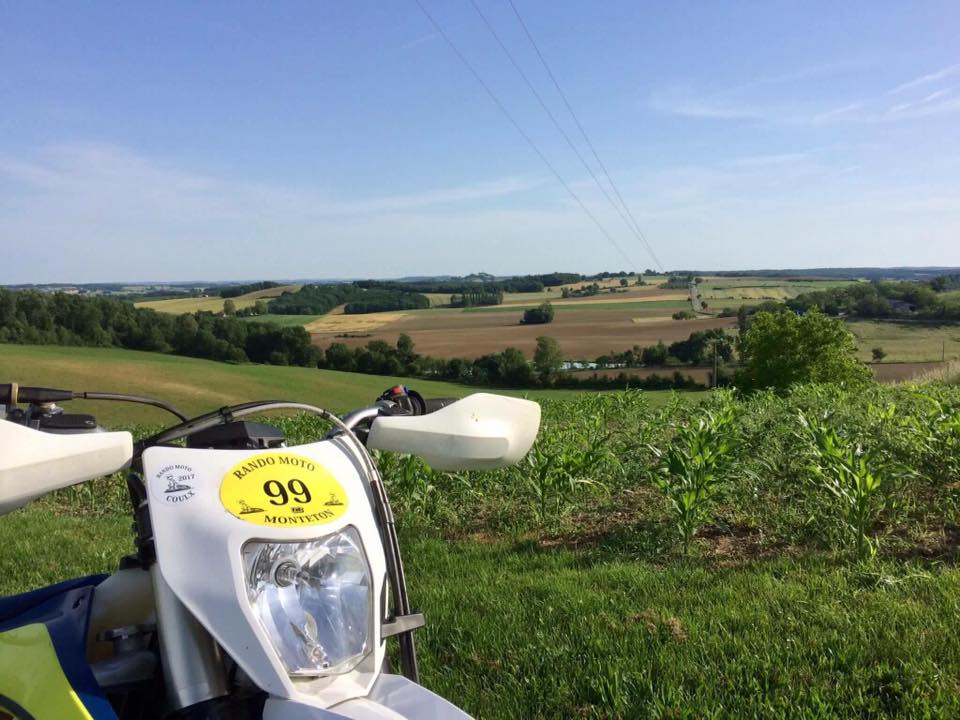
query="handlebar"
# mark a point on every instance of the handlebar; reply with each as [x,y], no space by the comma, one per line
[12,393]
[398,399]
[434,404]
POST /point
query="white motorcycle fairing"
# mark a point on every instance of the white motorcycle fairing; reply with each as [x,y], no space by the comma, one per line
[198,545]
[35,463]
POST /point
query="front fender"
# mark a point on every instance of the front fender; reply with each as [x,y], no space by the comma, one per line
[392,697]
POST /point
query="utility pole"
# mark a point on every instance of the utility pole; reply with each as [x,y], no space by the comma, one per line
[715,362]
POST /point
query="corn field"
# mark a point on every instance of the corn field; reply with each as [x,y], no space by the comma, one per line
[819,468]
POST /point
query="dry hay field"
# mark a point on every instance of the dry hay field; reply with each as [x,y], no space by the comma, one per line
[733,290]
[214,304]
[582,331]
[907,342]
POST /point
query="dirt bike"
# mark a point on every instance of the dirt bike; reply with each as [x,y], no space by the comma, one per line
[265,580]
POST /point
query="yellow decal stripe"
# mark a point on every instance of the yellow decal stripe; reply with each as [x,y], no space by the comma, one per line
[31,676]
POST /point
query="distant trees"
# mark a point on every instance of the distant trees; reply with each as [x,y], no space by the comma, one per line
[477,297]
[780,349]
[878,354]
[31,317]
[655,354]
[321,299]
[677,282]
[699,348]
[237,290]
[479,282]
[229,307]
[539,315]
[883,300]
[582,291]
[547,358]
[385,301]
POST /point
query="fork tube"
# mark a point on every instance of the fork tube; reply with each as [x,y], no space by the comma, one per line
[192,666]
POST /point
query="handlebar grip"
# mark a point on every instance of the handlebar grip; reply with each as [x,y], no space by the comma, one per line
[434,404]
[11,394]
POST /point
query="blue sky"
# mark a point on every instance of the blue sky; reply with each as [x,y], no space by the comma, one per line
[345,139]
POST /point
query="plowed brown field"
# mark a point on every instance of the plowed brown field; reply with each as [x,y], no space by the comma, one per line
[581,333]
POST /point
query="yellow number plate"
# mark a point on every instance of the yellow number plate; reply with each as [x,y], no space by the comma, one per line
[282,489]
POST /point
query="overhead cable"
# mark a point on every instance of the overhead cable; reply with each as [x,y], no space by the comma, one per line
[524,134]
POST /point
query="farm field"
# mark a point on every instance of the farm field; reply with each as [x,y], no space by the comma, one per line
[581,332]
[585,327]
[282,320]
[907,342]
[214,304]
[716,289]
[198,385]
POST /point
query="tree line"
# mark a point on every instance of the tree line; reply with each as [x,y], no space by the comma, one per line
[519,284]
[508,368]
[920,300]
[31,317]
[476,298]
[321,299]
[232,291]
[697,349]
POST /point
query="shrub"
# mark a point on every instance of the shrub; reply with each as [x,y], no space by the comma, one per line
[539,315]
[780,349]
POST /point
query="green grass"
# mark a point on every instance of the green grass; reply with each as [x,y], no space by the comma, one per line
[516,631]
[199,385]
[519,632]
[282,320]
[907,342]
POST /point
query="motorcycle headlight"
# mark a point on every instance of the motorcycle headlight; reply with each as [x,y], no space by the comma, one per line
[315,601]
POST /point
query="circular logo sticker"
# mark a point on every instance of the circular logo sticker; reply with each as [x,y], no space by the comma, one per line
[280,488]
[174,484]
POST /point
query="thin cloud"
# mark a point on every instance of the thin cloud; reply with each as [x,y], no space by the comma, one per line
[419,41]
[903,107]
[843,110]
[926,79]
[102,172]
[681,101]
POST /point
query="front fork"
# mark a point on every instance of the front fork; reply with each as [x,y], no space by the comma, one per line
[193,668]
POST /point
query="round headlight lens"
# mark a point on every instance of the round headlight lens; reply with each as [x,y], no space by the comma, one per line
[314,599]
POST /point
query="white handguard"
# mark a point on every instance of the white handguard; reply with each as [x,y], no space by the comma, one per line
[479,432]
[34,463]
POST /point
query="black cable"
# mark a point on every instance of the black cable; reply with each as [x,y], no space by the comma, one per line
[559,127]
[586,137]
[523,133]
[224,414]
[131,398]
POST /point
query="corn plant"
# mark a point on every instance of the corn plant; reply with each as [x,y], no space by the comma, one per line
[414,486]
[565,460]
[693,467]
[850,474]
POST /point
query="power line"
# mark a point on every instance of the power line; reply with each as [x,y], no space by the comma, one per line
[586,137]
[523,134]
[632,228]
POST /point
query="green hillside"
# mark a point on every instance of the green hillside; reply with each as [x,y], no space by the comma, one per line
[198,385]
